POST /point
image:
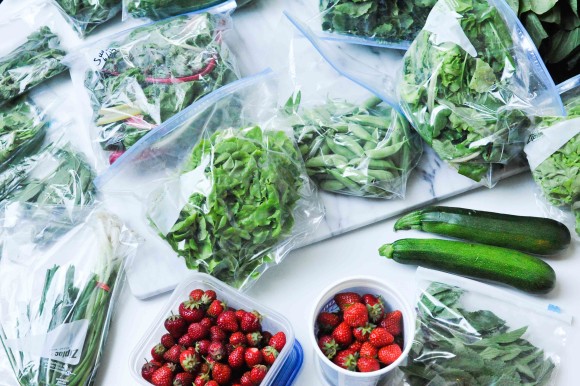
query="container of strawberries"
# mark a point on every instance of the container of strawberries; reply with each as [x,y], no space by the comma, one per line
[362,330]
[209,334]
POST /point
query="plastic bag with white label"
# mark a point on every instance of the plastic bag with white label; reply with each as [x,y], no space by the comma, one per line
[470,333]
[553,152]
[57,300]
[470,80]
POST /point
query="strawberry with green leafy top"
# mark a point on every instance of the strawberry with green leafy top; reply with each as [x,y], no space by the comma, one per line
[201,379]
[215,308]
[253,339]
[346,359]
[191,311]
[202,346]
[362,334]
[375,307]
[208,297]
[269,354]
[172,355]
[258,373]
[158,351]
[345,299]
[251,322]
[217,351]
[278,341]
[196,294]
[183,379]
[190,360]
[175,325]
[328,346]
[148,369]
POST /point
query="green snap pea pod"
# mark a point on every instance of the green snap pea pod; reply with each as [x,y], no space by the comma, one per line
[332,185]
[325,149]
[343,180]
[370,120]
[355,175]
[304,149]
[372,102]
[385,151]
[381,175]
[330,160]
[316,145]
[381,164]
[370,145]
[338,149]
[359,132]
[350,143]
[340,128]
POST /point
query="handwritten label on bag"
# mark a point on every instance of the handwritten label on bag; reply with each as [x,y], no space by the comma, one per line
[104,55]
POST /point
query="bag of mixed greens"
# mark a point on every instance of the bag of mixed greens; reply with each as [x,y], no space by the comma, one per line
[471,333]
[469,82]
[57,301]
[161,9]
[222,185]
[352,141]
[139,78]
[553,152]
[85,15]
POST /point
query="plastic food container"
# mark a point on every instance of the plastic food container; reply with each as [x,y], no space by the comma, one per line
[337,376]
[283,371]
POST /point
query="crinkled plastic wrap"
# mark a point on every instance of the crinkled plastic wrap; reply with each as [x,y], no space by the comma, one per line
[469,82]
[56,302]
[85,15]
[139,78]
[469,333]
[222,183]
[553,152]
[161,9]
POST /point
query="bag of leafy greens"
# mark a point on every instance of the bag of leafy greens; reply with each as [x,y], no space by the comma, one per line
[469,82]
[85,15]
[553,152]
[470,333]
[352,141]
[57,300]
[137,79]
[222,186]
[161,9]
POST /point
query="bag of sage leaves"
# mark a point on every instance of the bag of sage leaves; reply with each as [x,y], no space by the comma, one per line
[57,301]
[352,141]
[161,9]
[470,333]
[137,79]
[85,15]
[553,152]
[222,189]
[470,80]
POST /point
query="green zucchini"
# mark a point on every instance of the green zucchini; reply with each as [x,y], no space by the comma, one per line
[537,235]
[513,268]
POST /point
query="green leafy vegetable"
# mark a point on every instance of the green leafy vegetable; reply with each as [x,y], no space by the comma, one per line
[160,9]
[254,179]
[35,61]
[455,346]
[363,150]
[154,72]
[463,105]
[86,15]
[396,21]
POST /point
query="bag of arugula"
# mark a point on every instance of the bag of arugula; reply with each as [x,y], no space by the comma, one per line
[469,82]
[139,78]
[471,333]
[223,185]
[57,301]
[352,141]
[161,9]
[553,152]
[85,15]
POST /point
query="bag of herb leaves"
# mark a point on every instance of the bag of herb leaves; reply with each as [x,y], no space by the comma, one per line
[57,301]
[469,82]
[471,333]
[137,79]
[85,15]
[161,9]
[352,141]
[553,152]
[34,51]
[222,187]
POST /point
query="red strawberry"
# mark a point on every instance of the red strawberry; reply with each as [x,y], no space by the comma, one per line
[183,379]
[217,351]
[251,322]
[258,373]
[190,360]
[221,373]
[215,308]
[253,339]
[368,350]
[148,369]
[197,331]
[172,355]
[393,322]
[269,354]
[212,383]
[342,334]
[366,365]
[355,346]
[239,314]
[206,322]
[227,321]
[253,357]
[266,336]
[389,354]
[356,315]
[236,358]
[217,334]
[246,379]
[205,367]
[196,294]
[163,376]
[278,341]
[202,346]
[208,297]
[186,341]
[346,298]
[328,346]
[327,321]
[167,340]
[191,311]
[238,339]
[175,325]
[201,379]
[346,359]
[158,351]
[362,334]
[380,337]
[375,307]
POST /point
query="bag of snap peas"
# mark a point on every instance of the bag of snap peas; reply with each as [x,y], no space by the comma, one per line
[57,301]
[161,9]
[553,152]
[470,80]
[134,80]
[352,137]
[221,188]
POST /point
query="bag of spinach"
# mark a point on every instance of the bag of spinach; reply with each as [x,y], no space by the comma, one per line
[553,152]
[222,185]
[469,82]
[471,333]
[161,9]
[85,15]
[352,141]
[57,301]
[137,79]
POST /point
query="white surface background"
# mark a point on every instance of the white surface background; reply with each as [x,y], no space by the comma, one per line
[291,287]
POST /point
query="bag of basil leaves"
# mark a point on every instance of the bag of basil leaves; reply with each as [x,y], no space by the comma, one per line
[161,9]
[470,80]
[352,141]
[470,333]
[222,183]
[139,78]
[85,15]
[553,152]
